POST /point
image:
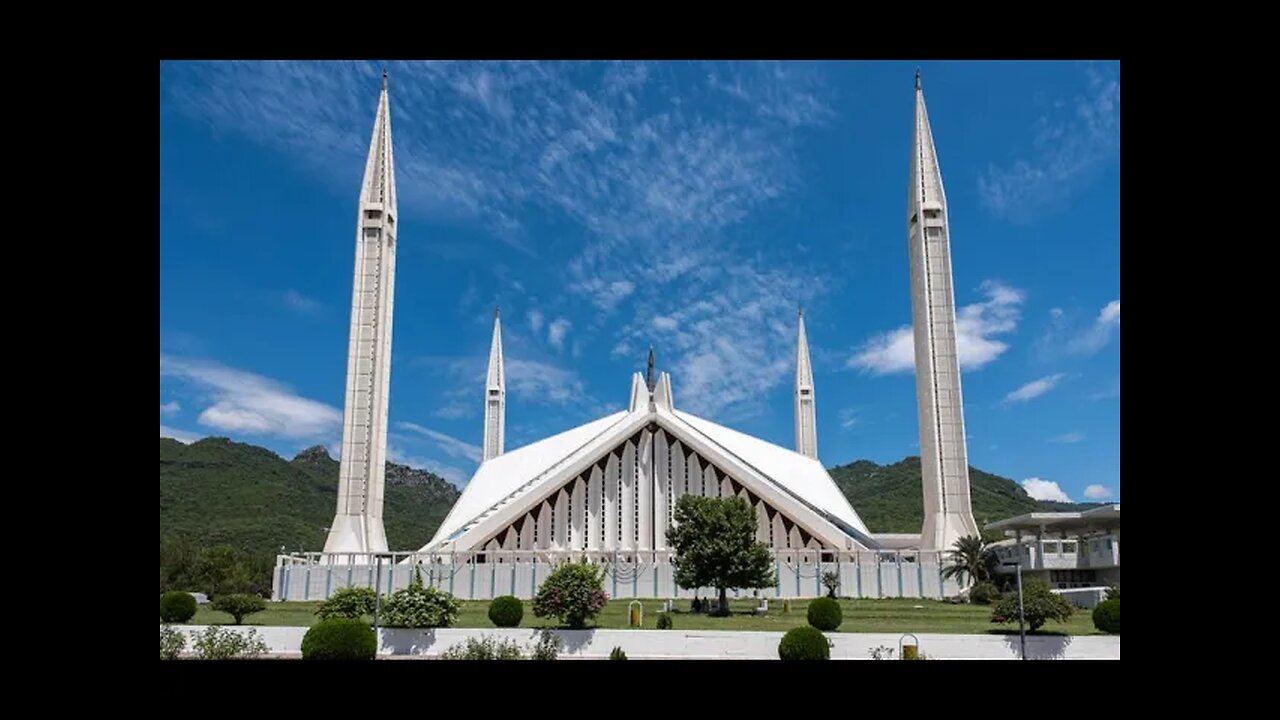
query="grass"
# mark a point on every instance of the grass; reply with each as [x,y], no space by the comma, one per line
[896,615]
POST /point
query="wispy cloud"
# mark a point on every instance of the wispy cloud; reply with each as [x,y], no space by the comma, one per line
[978,329]
[450,445]
[170,408]
[1111,392]
[1098,492]
[252,404]
[1044,490]
[1068,333]
[1098,334]
[1035,388]
[1071,140]
[556,332]
[183,436]
[849,418]
[300,303]
[535,321]
[1068,438]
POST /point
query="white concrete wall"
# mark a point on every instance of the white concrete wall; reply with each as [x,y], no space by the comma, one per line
[711,644]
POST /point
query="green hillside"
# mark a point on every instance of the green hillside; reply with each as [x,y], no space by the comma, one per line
[216,491]
[888,497]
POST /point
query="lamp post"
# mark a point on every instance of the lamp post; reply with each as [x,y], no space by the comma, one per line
[1022,633]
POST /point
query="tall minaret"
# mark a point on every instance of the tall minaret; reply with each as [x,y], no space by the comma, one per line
[806,417]
[495,395]
[943,459]
[357,526]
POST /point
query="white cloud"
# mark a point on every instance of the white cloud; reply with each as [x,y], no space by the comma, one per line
[1097,335]
[605,295]
[1044,490]
[170,408]
[977,328]
[535,320]
[181,436]
[1067,438]
[252,404]
[1098,492]
[556,332]
[1071,142]
[545,382]
[665,323]
[450,445]
[300,303]
[849,418]
[1035,388]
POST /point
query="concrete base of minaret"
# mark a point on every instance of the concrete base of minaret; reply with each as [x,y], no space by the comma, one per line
[941,530]
[349,534]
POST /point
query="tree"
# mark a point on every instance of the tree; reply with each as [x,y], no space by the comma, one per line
[971,561]
[239,606]
[573,592]
[715,544]
[1039,605]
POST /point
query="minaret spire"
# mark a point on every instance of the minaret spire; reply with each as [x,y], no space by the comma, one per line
[357,525]
[806,415]
[495,394]
[649,381]
[948,514]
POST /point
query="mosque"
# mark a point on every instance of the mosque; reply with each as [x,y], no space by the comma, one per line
[605,491]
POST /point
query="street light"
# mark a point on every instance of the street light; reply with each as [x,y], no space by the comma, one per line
[1022,633]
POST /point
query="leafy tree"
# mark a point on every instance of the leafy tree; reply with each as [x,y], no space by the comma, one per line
[239,606]
[573,592]
[970,561]
[1039,605]
[715,544]
[831,581]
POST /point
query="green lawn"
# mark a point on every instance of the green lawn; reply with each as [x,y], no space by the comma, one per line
[896,615]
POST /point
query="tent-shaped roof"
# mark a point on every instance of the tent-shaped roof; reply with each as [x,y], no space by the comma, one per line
[511,484]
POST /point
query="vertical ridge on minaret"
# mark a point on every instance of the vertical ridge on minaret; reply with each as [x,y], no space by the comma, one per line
[357,525]
[806,415]
[649,381]
[948,514]
[495,395]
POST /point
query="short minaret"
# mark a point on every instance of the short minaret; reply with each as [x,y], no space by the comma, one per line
[495,395]
[948,514]
[806,413]
[357,524]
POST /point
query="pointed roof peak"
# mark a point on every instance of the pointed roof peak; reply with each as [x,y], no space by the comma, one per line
[384,77]
[917,78]
[497,311]
[801,310]
[649,375]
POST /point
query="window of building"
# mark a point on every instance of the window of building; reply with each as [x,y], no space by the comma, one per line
[1108,544]
[1051,548]
[1068,548]
[372,214]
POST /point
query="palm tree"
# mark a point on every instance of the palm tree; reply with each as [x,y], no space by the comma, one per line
[970,561]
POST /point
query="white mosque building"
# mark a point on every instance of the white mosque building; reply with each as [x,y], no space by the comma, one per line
[605,491]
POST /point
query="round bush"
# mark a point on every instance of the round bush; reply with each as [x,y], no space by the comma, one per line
[664,621]
[339,639]
[177,606]
[506,611]
[804,643]
[1106,616]
[824,614]
[983,593]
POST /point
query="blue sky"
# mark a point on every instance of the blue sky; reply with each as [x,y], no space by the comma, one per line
[608,206]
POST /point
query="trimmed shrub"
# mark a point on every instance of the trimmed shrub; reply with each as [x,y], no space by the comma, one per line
[804,643]
[825,614]
[340,639]
[984,593]
[617,654]
[506,611]
[573,593]
[1106,616]
[239,606]
[172,642]
[349,602]
[421,607]
[664,621]
[487,648]
[177,606]
[1039,605]
[548,647]
[218,643]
